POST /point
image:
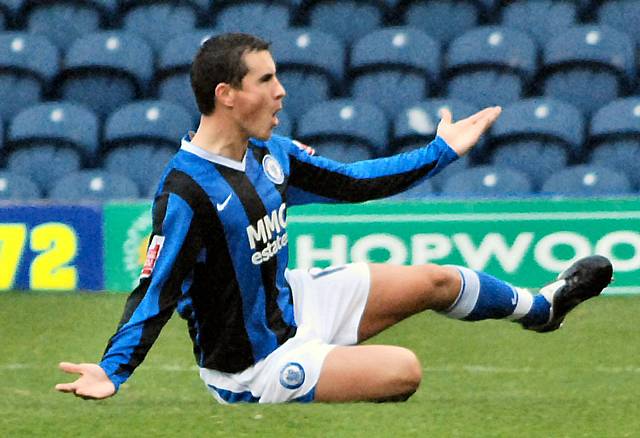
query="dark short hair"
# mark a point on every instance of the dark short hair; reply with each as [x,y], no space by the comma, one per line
[219,60]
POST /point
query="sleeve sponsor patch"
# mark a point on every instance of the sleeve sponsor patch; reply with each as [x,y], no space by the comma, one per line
[152,256]
[308,149]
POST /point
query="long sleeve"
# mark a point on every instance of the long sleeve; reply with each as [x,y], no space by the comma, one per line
[170,259]
[317,179]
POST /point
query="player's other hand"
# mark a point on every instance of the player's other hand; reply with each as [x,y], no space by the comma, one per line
[93,382]
[464,134]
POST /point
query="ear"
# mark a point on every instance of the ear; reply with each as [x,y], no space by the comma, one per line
[225,94]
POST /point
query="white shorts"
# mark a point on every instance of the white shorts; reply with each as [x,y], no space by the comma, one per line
[328,305]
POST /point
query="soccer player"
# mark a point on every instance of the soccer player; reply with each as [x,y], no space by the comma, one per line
[218,254]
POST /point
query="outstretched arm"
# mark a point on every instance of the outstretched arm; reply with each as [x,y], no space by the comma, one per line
[170,257]
[317,179]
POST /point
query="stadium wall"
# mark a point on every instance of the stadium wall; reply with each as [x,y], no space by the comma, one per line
[102,247]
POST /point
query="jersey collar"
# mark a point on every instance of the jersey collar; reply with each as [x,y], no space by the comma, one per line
[214,158]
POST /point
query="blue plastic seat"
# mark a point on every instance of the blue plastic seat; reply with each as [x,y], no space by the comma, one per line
[310,67]
[622,15]
[394,67]
[615,137]
[28,64]
[106,70]
[61,124]
[62,22]
[416,125]
[487,181]
[344,121]
[262,18]
[588,66]
[490,65]
[424,189]
[141,137]
[93,185]
[159,23]
[172,75]
[10,9]
[587,180]
[349,20]
[17,187]
[44,163]
[540,19]
[443,20]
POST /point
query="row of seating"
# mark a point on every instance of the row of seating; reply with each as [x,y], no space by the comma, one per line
[537,137]
[479,181]
[160,20]
[586,66]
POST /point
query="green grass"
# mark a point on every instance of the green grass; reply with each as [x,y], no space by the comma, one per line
[480,379]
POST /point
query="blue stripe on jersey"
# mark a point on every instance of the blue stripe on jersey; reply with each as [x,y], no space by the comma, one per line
[174,228]
[235,222]
[234,397]
[272,199]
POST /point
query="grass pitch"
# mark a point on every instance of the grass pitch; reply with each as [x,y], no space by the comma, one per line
[480,379]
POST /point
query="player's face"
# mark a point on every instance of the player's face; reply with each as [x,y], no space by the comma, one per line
[260,97]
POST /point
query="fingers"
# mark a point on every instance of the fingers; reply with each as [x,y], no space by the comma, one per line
[489,112]
[69,367]
[489,118]
[66,387]
[445,115]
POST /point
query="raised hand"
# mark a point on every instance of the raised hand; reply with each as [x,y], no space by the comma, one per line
[93,382]
[464,134]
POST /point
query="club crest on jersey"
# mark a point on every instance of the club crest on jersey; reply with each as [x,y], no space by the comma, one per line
[292,375]
[272,169]
[152,256]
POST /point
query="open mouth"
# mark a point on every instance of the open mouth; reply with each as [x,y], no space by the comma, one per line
[274,117]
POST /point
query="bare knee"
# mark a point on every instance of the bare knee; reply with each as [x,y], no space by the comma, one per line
[442,285]
[407,374]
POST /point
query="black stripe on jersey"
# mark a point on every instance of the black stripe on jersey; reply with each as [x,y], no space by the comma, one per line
[255,210]
[171,289]
[136,296]
[259,154]
[215,292]
[334,185]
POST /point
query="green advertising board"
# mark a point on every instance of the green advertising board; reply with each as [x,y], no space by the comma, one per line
[526,242]
[126,234]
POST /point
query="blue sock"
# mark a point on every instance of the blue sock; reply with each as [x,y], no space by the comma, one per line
[483,296]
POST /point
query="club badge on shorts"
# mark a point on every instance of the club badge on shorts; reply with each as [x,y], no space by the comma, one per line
[292,375]
[272,169]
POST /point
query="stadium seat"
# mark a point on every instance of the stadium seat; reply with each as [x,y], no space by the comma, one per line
[141,137]
[540,19]
[10,10]
[458,167]
[538,136]
[262,18]
[416,125]
[44,163]
[28,63]
[588,66]
[490,65]
[62,22]
[622,15]
[172,75]
[422,190]
[442,20]
[587,180]
[394,67]
[17,187]
[56,123]
[159,23]
[349,20]
[105,70]
[344,122]
[487,181]
[615,137]
[93,185]
[310,67]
